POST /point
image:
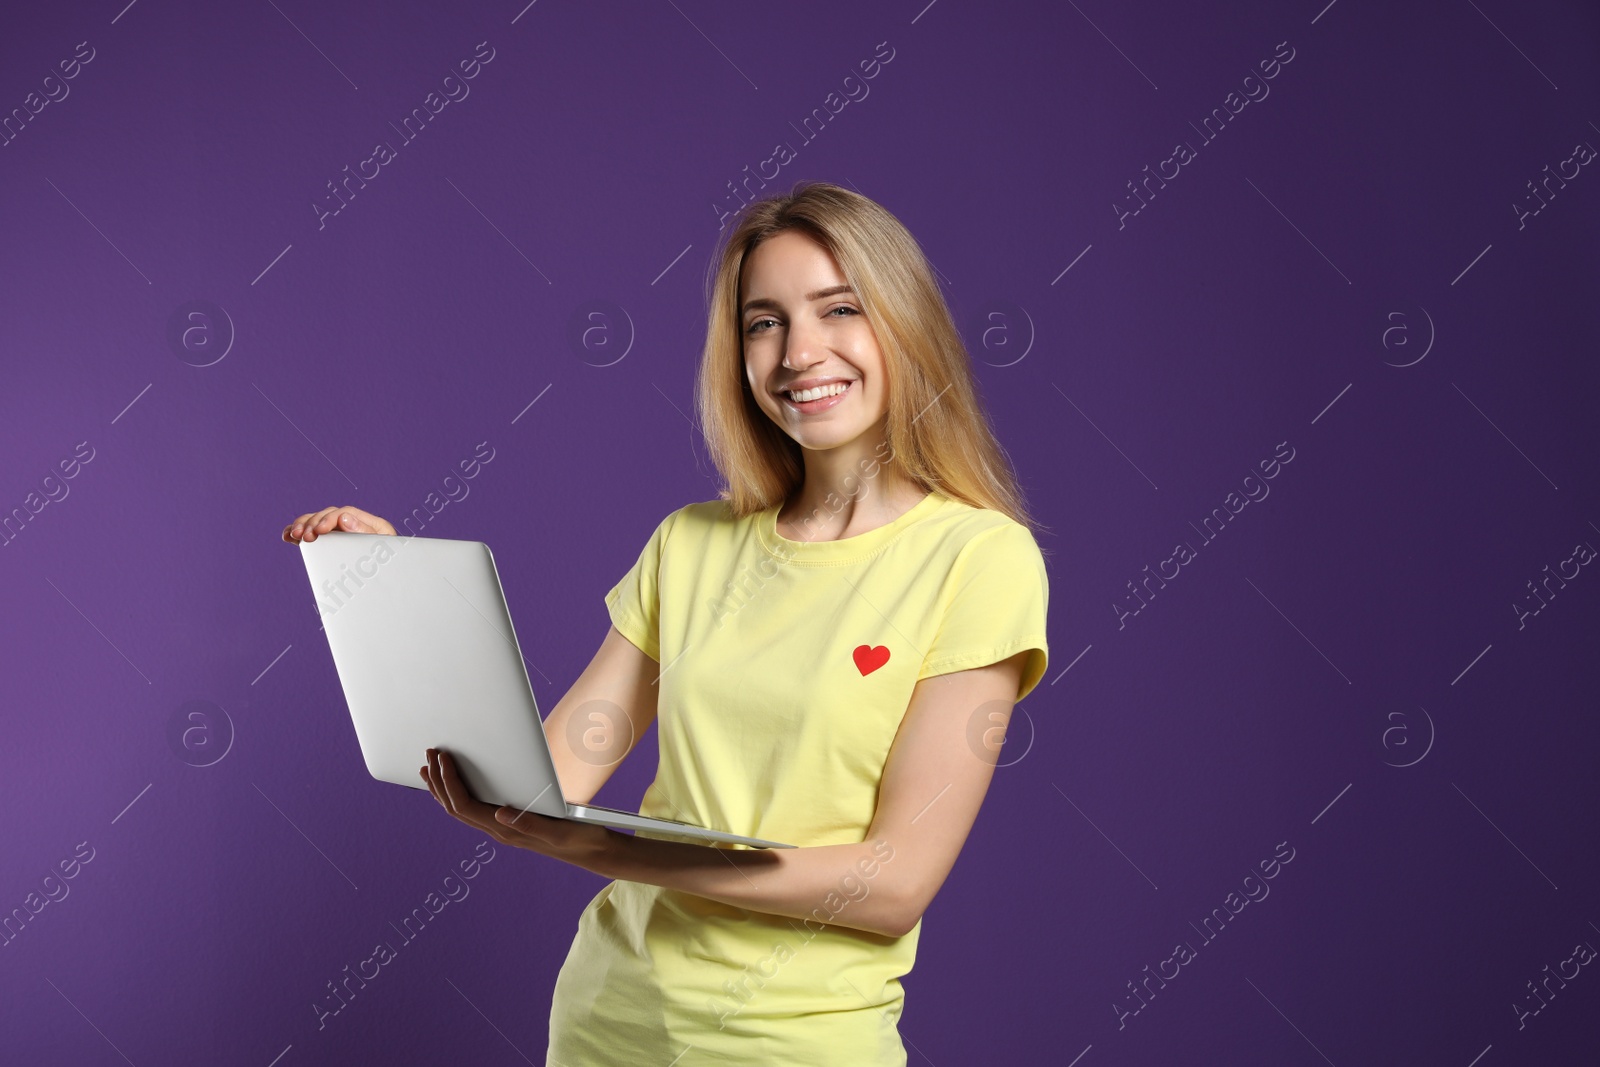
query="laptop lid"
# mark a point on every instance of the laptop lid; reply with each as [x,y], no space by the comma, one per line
[427,657]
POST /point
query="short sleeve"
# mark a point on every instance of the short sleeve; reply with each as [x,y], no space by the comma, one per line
[635,602]
[994,606]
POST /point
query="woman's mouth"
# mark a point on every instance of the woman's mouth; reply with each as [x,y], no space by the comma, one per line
[839,391]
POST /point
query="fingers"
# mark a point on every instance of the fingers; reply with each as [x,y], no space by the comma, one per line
[320,523]
[444,782]
[430,773]
[291,532]
[427,776]
[462,802]
[303,528]
[313,524]
[358,521]
[436,780]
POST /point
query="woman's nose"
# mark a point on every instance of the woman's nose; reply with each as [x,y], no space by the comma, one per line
[802,349]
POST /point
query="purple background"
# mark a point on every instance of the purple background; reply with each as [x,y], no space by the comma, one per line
[1358,618]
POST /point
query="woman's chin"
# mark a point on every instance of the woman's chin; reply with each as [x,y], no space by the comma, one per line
[826,438]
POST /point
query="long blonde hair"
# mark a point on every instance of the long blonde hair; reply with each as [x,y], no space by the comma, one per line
[937,430]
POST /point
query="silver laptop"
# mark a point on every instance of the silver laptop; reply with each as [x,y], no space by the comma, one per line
[425,650]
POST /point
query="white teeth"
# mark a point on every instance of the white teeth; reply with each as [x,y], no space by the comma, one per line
[832,389]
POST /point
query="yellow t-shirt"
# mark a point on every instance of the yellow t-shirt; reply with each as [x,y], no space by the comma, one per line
[787,667]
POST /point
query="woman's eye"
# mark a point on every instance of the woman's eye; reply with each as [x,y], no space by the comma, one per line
[755,327]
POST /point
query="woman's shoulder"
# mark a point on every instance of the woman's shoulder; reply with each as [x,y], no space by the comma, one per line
[694,521]
[958,525]
[707,511]
[702,514]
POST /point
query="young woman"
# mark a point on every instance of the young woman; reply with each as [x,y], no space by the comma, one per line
[830,651]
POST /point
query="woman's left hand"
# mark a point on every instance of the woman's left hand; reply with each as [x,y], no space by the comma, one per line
[577,843]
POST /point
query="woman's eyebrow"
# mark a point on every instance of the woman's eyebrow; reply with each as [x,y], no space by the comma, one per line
[820,294]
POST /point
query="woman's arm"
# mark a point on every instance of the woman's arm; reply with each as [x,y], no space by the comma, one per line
[602,716]
[934,781]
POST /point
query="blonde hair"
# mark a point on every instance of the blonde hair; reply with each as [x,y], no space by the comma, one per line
[937,430]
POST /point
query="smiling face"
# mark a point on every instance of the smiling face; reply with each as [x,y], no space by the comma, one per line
[803,327]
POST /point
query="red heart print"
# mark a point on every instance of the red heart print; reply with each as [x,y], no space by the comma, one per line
[869,659]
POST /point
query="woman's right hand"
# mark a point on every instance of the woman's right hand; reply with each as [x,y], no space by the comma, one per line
[313,524]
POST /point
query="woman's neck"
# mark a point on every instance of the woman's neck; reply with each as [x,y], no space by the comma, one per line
[848,508]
